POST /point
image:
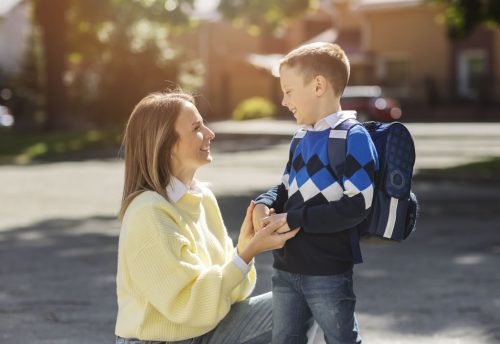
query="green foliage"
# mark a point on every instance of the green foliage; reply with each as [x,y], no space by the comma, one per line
[252,108]
[24,148]
[462,16]
[120,50]
[267,14]
[115,52]
[488,169]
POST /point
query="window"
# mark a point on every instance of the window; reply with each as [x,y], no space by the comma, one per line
[397,72]
[394,73]
[472,72]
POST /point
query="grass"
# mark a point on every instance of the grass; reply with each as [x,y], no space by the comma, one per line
[482,170]
[22,148]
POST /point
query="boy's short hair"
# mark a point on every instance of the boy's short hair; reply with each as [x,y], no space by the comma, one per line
[321,58]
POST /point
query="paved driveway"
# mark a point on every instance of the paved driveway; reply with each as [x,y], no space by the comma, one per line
[58,240]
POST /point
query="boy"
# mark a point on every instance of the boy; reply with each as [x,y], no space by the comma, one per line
[313,271]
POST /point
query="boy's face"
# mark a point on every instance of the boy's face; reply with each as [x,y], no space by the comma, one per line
[299,97]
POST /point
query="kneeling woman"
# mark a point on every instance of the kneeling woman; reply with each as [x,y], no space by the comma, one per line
[180,279]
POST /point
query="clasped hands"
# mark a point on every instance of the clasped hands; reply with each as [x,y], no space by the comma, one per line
[264,217]
[262,230]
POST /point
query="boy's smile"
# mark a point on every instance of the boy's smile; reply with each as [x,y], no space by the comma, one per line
[299,97]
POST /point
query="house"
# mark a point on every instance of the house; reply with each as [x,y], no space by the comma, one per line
[412,57]
[398,44]
[15,27]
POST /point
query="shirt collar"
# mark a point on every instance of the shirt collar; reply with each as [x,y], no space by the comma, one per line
[332,120]
[176,189]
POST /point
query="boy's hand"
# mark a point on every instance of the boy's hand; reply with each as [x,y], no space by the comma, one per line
[273,219]
[260,211]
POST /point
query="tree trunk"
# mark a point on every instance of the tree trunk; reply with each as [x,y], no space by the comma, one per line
[52,19]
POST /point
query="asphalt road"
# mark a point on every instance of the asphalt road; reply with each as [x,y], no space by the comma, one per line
[58,241]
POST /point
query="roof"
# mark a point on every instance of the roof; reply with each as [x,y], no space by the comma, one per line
[329,35]
[349,40]
[385,4]
[269,62]
[362,91]
[8,5]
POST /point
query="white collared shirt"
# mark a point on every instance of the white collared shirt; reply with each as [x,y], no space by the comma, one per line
[332,120]
[176,189]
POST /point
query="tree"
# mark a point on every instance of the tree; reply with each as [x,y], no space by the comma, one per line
[263,15]
[83,38]
[52,20]
[121,50]
[463,16]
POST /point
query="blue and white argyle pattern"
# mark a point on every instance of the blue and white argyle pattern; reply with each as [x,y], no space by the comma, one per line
[309,178]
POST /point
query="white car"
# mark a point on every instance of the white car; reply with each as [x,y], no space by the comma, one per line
[6,118]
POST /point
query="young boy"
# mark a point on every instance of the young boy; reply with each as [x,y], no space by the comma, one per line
[313,272]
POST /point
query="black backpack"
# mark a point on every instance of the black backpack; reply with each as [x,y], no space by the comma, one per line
[394,209]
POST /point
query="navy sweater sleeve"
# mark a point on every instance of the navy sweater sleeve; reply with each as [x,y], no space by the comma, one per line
[358,188]
[274,198]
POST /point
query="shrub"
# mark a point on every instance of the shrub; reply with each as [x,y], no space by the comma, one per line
[252,108]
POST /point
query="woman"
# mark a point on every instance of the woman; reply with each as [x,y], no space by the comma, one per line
[180,279]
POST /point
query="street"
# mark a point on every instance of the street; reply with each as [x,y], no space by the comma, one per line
[58,243]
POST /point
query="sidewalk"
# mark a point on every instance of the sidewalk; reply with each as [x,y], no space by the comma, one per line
[58,247]
[437,145]
[283,128]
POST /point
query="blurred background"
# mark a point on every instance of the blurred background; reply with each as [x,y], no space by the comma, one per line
[72,70]
[65,63]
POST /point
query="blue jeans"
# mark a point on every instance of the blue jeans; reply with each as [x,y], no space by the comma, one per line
[248,322]
[330,300]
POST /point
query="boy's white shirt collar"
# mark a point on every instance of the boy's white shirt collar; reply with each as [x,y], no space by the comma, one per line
[176,189]
[332,120]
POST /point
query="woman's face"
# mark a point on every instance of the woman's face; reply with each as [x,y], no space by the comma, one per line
[192,149]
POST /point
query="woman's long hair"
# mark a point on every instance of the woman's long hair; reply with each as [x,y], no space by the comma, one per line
[149,138]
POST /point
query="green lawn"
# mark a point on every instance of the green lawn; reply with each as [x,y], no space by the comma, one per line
[23,148]
[482,170]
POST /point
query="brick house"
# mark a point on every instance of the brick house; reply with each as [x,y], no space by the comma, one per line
[397,44]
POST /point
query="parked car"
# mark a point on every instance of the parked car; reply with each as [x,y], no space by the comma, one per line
[370,103]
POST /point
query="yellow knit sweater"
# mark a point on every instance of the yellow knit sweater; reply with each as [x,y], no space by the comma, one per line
[176,277]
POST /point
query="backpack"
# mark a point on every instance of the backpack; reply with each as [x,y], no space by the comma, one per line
[394,207]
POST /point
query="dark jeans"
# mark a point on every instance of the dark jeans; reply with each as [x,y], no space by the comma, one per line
[330,300]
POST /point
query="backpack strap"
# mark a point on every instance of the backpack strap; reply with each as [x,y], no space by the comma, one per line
[337,144]
[299,134]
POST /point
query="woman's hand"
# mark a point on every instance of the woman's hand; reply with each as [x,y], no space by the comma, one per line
[251,243]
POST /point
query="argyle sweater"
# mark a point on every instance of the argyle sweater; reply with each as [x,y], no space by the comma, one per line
[325,206]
